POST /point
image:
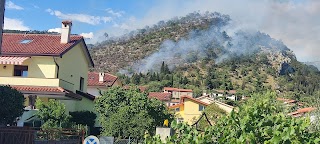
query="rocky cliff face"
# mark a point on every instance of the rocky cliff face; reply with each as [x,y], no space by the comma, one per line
[280,60]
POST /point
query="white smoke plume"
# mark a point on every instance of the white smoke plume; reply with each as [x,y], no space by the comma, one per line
[198,44]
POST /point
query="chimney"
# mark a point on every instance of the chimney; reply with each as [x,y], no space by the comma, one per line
[65,31]
[101,76]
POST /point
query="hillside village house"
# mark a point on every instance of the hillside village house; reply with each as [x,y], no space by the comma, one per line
[101,82]
[47,67]
[177,93]
[229,94]
[164,97]
[189,109]
[209,100]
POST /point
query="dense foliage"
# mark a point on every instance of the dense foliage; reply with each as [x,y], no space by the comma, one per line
[53,114]
[11,104]
[86,118]
[260,120]
[125,113]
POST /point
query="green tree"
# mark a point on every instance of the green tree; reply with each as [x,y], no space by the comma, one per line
[53,114]
[11,104]
[125,113]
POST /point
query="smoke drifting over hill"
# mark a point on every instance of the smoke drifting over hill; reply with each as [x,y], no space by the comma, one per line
[213,43]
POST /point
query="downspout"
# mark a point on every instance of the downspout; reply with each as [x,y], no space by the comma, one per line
[57,66]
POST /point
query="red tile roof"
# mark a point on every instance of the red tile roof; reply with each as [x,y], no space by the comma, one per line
[40,44]
[286,100]
[160,96]
[108,79]
[38,88]
[301,111]
[176,89]
[228,91]
[182,100]
[47,90]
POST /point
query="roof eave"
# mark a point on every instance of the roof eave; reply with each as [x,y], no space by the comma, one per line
[27,54]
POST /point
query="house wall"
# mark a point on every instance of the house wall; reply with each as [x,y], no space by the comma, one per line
[74,65]
[95,91]
[70,105]
[177,94]
[117,83]
[6,72]
[191,111]
[180,114]
[38,67]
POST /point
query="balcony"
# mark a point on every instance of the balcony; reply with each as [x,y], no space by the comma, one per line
[51,82]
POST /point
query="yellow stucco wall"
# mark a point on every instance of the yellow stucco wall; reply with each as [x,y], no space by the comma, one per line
[70,105]
[38,67]
[74,65]
[189,111]
[41,67]
[7,71]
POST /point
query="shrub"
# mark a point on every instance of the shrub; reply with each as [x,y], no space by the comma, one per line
[83,117]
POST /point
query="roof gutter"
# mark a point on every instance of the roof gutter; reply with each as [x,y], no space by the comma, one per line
[58,68]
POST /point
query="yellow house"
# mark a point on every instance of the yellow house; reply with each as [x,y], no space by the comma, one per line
[188,109]
[47,67]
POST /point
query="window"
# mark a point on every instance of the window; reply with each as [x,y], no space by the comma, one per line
[81,83]
[20,71]
[32,101]
[25,41]
[201,107]
[177,109]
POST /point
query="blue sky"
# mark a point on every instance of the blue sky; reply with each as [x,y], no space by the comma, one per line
[295,22]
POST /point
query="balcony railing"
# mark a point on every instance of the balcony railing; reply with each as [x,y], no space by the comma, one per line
[51,82]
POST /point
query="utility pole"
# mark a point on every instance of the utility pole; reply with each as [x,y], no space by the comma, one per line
[2,7]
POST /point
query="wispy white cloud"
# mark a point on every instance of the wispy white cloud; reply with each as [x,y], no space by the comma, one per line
[115,13]
[11,5]
[89,19]
[58,30]
[35,6]
[14,24]
[87,35]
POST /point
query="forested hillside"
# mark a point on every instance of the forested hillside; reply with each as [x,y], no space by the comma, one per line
[198,52]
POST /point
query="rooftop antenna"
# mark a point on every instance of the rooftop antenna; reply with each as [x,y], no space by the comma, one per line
[2,5]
